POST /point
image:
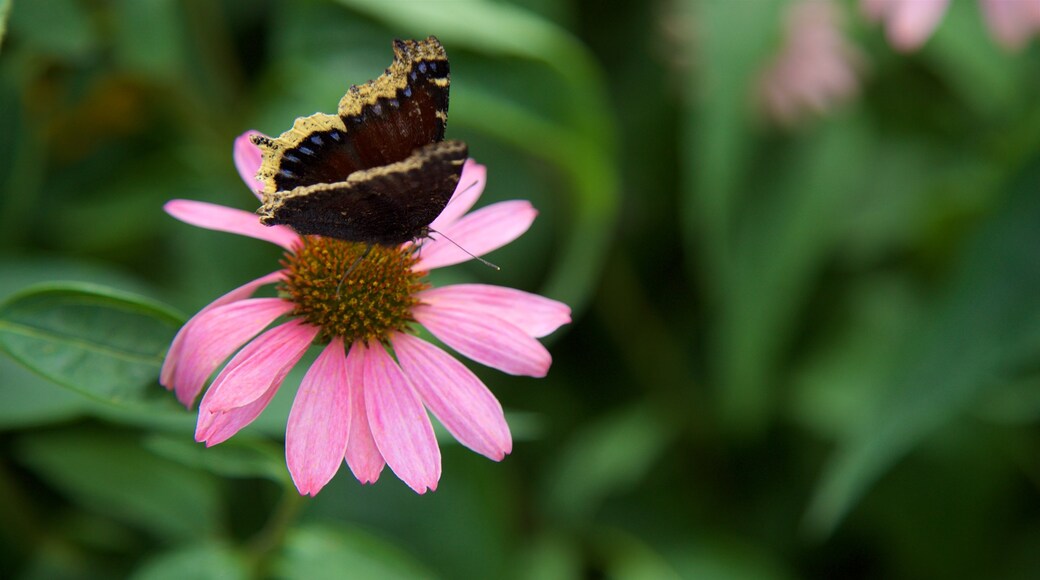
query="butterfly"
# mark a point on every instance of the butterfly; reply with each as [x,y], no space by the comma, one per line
[377,172]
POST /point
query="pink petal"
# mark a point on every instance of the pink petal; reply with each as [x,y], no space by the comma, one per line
[399,423]
[876,10]
[216,425]
[911,22]
[319,423]
[1011,21]
[455,396]
[247,160]
[214,428]
[535,315]
[486,339]
[173,355]
[226,219]
[362,455]
[469,190]
[262,362]
[215,335]
[479,232]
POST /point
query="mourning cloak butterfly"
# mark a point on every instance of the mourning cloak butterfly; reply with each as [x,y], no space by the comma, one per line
[378,172]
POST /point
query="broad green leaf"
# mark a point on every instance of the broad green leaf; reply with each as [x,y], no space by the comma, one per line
[108,472]
[27,399]
[981,335]
[315,552]
[104,343]
[210,561]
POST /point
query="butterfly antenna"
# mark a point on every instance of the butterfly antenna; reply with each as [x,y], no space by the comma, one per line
[351,268]
[467,252]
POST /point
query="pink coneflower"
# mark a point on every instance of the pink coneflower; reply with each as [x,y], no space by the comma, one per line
[909,23]
[366,396]
[816,67]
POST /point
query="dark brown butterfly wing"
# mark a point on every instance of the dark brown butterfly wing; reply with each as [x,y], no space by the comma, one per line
[387,205]
[378,172]
[380,122]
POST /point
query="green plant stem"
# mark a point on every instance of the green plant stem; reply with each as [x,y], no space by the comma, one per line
[272,535]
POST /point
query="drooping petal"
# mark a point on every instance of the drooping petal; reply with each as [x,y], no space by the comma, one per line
[319,422]
[455,396]
[265,360]
[214,428]
[247,160]
[486,339]
[226,219]
[173,355]
[536,315]
[400,426]
[469,190]
[215,335]
[362,455]
[479,232]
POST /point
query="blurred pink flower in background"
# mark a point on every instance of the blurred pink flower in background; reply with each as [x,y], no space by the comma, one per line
[909,23]
[358,401]
[1012,22]
[815,69]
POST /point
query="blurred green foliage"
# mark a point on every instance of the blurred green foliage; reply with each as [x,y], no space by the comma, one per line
[803,352]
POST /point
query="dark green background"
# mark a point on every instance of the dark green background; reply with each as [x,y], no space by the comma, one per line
[809,352]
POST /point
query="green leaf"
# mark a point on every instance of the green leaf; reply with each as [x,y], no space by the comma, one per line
[983,334]
[210,561]
[22,271]
[786,236]
[27,399]
[316,552]
[971,62]
[732,45]
[236,458]
[148,37]
[102,342]
[109,473]
[5,11]
[607,457]
[61,28]
[628,557]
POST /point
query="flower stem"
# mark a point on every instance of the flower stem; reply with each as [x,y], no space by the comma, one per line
[272,535]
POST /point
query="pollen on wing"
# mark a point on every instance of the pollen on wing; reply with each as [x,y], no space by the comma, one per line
[373,300]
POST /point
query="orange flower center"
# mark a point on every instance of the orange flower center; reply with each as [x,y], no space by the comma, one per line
[347,293]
